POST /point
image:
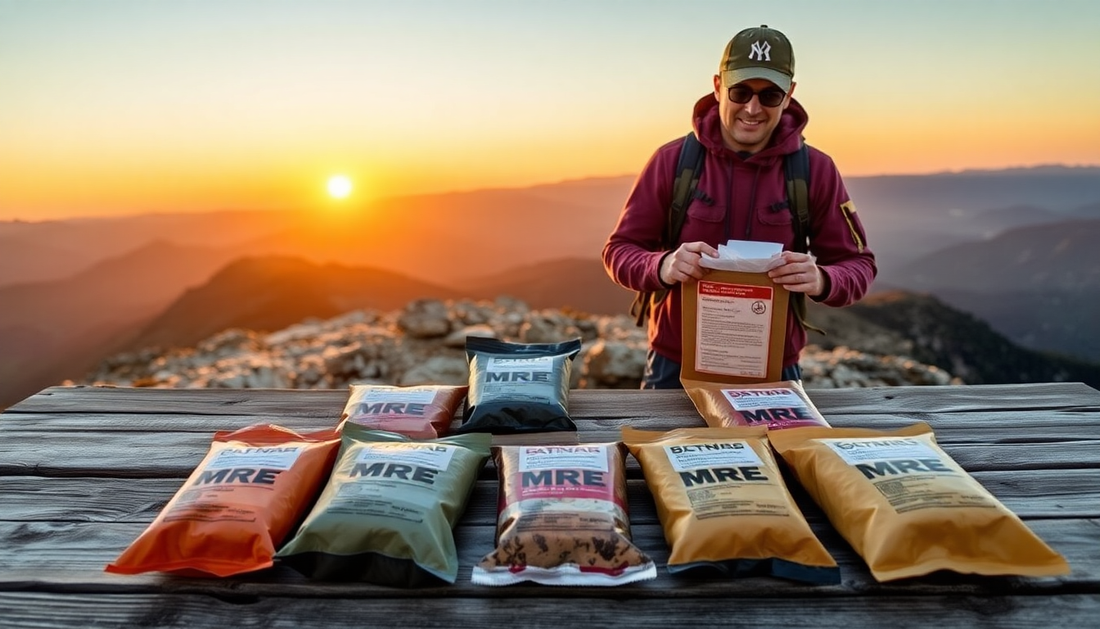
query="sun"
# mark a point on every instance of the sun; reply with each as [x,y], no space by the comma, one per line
[339,186]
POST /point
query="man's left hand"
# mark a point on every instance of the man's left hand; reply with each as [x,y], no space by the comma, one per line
[799,273]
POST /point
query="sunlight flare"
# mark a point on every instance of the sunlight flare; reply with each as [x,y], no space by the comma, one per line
[339,186]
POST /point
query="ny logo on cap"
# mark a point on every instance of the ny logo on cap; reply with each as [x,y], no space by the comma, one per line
[760,52]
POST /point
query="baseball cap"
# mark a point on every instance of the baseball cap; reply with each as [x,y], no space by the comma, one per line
[759,53]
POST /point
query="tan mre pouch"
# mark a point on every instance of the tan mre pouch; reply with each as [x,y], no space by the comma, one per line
[907,507]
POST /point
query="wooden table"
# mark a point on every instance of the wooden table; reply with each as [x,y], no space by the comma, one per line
[83,470]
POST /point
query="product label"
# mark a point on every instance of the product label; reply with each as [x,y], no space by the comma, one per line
[273,458]
[910,473]
[748,399]
[734,325]
[435,456]
[395,402]
[552,457]
[695,456]
[564,472]
[726,478]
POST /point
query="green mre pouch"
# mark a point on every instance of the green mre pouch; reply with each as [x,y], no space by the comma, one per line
[386,515]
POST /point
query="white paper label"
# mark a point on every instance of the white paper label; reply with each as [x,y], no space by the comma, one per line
[408,396]
[750,399]
[863,450]
[435,456]
[533,363]
[534,458]
[695,456]
[267,457]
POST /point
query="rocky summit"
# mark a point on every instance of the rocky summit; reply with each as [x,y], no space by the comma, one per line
[424,343]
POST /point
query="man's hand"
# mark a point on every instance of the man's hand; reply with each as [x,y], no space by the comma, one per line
[683,264]
[799,274]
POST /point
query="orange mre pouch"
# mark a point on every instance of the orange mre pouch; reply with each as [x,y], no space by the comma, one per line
[239,504]
[723,504]
[907,507]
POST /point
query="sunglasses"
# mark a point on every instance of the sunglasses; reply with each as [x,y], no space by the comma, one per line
[769,97]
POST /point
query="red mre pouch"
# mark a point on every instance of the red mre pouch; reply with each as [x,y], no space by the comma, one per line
[420,412]
[238,506]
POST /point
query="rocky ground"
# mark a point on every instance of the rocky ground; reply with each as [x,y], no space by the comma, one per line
[425,344]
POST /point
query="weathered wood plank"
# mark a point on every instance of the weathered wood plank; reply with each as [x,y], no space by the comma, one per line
[583,402]
[604,607]
[175,454]
[975,426]
[954,399]
[1038,494]
[70,557]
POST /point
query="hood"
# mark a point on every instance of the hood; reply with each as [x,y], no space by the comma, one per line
[785,139]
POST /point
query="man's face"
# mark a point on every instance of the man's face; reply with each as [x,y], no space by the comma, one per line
[748,126]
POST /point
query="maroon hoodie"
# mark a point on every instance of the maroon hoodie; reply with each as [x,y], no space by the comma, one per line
[738,198]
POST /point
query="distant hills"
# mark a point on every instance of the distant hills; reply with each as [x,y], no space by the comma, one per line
[1039,285]
[56,329]
[966,346]
[1062,256]
[575,283]
[909,216]
[54,250]
[274,292]
[1012,248]
[268,294]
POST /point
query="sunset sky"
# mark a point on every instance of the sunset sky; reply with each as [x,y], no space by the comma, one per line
[128,106]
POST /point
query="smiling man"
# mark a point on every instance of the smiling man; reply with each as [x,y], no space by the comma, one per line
[746,127]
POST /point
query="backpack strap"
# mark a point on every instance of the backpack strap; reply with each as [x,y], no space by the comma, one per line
[689,168]
[796,169]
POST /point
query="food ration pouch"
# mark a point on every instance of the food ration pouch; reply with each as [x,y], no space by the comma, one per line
[387,513]
[563,518]
[420,412]
[518,387]
[772,404]
[907,507]
[723,504]
[240,503]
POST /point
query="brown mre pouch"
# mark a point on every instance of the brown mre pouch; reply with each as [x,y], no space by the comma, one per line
[563,518]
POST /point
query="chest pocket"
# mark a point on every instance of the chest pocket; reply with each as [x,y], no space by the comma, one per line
[778,213]
[703,209]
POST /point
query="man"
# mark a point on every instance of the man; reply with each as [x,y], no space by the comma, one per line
[746,126]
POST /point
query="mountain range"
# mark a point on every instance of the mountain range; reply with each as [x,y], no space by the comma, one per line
[71,292]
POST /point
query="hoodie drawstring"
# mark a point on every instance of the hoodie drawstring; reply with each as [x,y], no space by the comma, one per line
[752,205]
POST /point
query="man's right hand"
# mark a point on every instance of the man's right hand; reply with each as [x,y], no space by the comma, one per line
[683,264]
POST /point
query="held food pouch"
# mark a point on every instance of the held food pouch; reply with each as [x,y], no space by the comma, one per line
[772,404]
[239,504]
[517,387]
[722,504]
[420,412]
[907,507]
[563,518]
[387,513]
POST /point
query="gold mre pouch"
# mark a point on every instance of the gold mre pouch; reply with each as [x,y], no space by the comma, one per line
[907,507]
[723,505]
